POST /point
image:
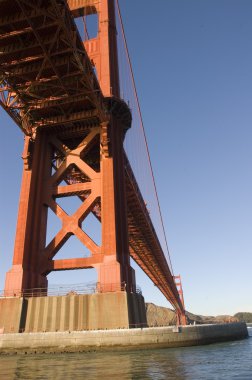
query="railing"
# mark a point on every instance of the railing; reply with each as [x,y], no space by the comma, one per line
[68,290]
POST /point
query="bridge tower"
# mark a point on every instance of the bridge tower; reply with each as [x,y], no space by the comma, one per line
[64,94]
[87,162]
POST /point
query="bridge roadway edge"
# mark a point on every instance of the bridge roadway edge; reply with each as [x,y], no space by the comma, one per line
[122,339]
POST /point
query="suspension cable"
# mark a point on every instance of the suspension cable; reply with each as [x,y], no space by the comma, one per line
[142,127]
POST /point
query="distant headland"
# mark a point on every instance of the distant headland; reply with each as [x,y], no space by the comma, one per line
[162,316]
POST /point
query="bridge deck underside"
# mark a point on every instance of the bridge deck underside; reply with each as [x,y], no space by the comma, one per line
[47,81]
[46,76]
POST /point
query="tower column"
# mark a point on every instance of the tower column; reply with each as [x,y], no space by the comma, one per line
[115,271]
[31,222]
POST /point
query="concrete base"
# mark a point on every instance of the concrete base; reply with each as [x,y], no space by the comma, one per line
[11,314]
[156,337]
[72,312]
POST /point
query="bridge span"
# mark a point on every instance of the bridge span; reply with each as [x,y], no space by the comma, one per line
[64,94]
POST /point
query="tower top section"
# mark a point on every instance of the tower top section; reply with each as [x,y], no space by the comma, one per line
[102,49]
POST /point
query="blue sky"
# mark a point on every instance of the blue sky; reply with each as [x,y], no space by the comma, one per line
[192,62]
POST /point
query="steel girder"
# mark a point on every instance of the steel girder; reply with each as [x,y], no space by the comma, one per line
[44,68]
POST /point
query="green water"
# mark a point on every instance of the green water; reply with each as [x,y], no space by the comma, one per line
[231,360]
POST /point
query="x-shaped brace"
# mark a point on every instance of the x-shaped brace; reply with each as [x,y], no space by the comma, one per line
[71,224]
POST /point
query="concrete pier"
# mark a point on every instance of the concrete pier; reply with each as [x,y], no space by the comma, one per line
[99,311]
[156,337]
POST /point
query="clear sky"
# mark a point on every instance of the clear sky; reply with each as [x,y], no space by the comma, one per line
[192,61]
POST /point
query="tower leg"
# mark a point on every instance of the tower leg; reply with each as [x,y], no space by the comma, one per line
[25,272]
[115,271]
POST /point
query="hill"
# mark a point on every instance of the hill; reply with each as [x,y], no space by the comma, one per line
[244,317]
[162,316]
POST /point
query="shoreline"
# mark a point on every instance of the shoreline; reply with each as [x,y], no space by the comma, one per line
[123,339]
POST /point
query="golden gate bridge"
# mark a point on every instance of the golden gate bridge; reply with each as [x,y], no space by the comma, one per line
[75,100]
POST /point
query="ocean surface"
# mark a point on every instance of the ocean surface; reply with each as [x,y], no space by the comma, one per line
[231,360]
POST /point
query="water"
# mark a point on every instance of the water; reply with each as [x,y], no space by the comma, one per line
[231,360]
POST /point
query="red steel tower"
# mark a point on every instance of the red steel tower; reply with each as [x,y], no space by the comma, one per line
[64,94]
[77,157]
